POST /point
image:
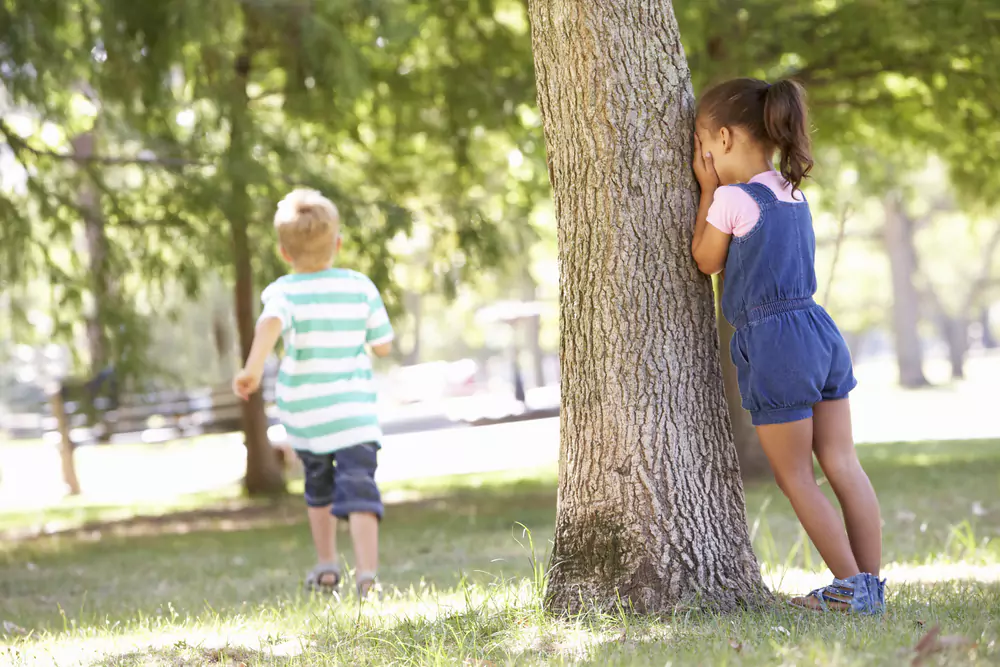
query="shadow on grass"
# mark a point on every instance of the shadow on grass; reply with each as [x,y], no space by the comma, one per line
[180,655]
[887,465]
[221,561]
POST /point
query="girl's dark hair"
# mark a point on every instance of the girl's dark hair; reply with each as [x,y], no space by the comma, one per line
[773,114]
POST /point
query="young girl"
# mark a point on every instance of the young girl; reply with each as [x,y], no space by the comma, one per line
[794,367]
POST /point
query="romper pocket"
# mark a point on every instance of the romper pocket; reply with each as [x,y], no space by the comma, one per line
[738,350]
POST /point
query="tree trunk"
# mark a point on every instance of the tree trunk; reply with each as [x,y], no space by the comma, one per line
[989,340]
[97,258]
[753,462]
[415,305]
[101,287]
[905,299]
[66,458]
[264,472]
[651,510]
[955,331]
[533,334]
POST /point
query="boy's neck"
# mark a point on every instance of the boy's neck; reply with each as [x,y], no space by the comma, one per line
[300,270]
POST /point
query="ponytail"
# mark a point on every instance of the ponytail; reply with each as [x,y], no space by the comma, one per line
[773,114]
[787,127]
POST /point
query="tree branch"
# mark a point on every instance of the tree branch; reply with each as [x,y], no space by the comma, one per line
[18,144]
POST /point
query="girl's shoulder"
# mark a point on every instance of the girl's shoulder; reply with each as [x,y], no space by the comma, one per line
[733,211]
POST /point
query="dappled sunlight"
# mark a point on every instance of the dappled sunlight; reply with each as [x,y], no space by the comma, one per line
[499,621]
[797,581]
[223,582]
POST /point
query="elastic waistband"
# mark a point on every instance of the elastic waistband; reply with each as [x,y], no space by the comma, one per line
[767,310]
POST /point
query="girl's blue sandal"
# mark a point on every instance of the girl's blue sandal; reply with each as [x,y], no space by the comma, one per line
[862,594]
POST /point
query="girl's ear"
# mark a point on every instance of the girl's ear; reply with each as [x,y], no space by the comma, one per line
[284,254]
[727,139]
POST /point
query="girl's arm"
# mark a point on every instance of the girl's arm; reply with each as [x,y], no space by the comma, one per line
[711,245]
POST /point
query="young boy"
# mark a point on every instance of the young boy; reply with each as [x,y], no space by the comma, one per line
[325,392]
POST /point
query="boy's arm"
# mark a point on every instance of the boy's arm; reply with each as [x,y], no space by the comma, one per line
[277,317]
[379,335]
[382,350]
[265,337]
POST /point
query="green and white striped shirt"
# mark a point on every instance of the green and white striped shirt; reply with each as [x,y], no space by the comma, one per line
[325,391]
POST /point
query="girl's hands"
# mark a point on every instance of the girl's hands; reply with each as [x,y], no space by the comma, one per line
[704,168]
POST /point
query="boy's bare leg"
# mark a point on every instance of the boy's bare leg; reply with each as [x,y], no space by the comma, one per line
[323,526]
[364,534]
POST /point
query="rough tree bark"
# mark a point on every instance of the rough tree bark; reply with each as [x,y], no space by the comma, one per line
[265,474]
[651,510]
[905,298]
[753,462]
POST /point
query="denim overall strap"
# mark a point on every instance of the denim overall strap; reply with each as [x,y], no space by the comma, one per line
[760,193]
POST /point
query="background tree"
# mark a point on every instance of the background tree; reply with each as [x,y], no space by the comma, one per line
[214,112]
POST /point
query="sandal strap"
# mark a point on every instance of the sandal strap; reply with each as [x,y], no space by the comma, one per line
[364,582]
[818,594]
[315,576]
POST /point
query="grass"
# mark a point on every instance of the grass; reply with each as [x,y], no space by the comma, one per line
[463,564]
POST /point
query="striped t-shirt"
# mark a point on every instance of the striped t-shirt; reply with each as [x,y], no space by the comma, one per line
[326,392]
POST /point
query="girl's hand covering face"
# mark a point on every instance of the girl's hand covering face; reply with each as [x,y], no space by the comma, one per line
[704,167]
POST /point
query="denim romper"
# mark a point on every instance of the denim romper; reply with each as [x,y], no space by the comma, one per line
[788,352]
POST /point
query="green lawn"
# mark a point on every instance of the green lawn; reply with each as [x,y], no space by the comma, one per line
[463,586]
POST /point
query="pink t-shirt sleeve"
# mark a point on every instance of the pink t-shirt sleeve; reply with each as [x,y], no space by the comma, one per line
[733,211]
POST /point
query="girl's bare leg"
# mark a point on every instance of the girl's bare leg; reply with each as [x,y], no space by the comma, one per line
[833,442]
[789,448]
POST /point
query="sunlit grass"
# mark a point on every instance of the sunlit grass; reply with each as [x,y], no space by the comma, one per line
[463,565]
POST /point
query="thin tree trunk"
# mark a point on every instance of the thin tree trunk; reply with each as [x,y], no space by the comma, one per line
[651,510]
[101,287]
[415,305]
[264,471]
[66,447]
[753,462]
[905,299]
[533,327]
[989,340]
[958,346]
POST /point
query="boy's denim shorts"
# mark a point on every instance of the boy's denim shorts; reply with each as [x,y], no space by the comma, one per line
[344,479]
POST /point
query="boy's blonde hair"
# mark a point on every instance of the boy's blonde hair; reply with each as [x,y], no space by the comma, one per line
[308,226]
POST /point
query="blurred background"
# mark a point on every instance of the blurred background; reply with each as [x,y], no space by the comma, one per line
[144,146]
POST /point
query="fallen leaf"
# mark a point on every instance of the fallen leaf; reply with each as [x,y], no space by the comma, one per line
[13,628]
[736,646]
[926,646]
[933,642]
